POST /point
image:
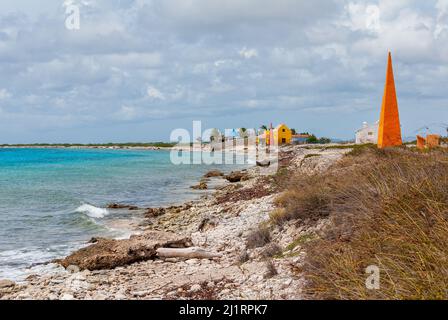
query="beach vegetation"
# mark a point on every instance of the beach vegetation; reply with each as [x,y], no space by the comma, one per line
[385,208]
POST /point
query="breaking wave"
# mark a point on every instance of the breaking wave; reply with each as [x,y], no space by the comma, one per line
[92,211]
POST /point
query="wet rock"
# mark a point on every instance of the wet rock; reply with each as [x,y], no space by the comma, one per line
[236,176]
[95,239]
[109,254]
[121,206]
[154,212]
[213,174]
[201,186]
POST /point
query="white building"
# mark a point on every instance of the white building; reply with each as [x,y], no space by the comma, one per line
[367,134]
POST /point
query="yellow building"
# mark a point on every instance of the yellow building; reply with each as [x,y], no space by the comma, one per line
[282,134]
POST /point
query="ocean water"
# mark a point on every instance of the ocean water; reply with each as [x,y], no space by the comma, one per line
[53,200]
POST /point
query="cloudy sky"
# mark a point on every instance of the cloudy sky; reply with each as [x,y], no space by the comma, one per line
[137,69]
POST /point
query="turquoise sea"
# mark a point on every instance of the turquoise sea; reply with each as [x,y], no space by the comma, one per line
[53,200]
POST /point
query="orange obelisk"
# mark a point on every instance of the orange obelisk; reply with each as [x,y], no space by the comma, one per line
[389,131]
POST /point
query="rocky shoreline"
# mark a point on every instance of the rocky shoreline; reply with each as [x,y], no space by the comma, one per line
[221,226]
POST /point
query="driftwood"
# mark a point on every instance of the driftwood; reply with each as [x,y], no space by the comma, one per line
[109,253]
[187,253]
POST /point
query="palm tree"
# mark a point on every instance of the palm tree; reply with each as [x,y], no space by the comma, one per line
[215,135]
[243,132]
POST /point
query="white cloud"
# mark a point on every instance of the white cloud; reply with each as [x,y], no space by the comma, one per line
[248,53]
[442,17]
[126,113]
[140,60]
[362,16]
[155,93]
[4,94]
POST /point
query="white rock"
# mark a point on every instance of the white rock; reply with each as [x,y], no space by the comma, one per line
[192,261]
[287,283]
[139,293]
[57,281]
[195,288]
[120,296]
[73,269]
[86,273]
[225,291]
[6,284]
[99,296]
[52,296]
[67,296]
[24,296]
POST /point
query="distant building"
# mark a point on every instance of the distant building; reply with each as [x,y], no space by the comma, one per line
[367,134]
[263,138]
[282,134]
[431,141]
[232,134]
[299,138]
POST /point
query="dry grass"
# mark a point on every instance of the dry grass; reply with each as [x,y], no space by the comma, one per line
[271,270]
[388,208]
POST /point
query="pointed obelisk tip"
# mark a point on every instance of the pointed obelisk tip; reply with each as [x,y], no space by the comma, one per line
[389,130]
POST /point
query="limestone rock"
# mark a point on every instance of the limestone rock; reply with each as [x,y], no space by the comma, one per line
[109,254]
[195,288]
[7,284]
[201,186]
[154,212]
[264,163]
[213,174]
[236,176]
[67,296]
[73,269]
[121,206]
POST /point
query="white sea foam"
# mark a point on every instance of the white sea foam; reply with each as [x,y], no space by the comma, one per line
[17,264]
[92,211]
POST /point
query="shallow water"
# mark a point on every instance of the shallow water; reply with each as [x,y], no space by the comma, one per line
[53,200]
